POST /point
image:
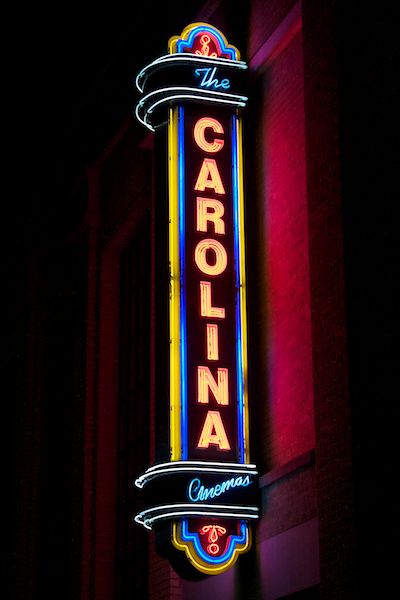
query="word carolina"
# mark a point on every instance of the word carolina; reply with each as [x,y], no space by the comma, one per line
[211,258]
[198,493]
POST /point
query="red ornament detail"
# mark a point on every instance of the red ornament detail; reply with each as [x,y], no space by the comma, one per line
[214,532]
[205,47]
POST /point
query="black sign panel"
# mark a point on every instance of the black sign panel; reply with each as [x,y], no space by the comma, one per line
[221,286]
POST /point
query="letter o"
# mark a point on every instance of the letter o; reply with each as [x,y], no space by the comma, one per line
[208,123]
[200,257]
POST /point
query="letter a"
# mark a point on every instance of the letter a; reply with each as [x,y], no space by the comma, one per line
[209,177]
[213,432]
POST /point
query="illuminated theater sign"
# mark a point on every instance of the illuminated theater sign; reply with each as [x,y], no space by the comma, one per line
[205,496]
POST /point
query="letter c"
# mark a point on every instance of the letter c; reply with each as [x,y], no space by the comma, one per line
[208,123]
[193,490]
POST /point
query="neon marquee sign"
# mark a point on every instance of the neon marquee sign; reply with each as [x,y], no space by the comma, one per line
[211,503]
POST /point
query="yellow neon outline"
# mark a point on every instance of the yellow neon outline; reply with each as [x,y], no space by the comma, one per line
[174,301]
[200,564]
[188,548]
[175,366]
[243,312]
[186,32]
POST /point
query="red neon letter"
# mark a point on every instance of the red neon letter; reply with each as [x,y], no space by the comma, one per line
[209,177]
[215,217]
[200,257]
[206,308]
[206,382]
[212,341]
[213,432]
[208,123]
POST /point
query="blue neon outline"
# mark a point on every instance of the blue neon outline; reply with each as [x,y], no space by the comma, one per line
[182,252]
[233,541]
[182,245]
[182,44]
[239,357]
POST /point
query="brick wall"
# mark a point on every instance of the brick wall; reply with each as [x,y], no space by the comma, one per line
[301,389]
[331,401]
[281,376]
[288,364]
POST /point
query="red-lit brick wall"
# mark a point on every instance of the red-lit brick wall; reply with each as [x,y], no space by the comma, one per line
[288,359]
[303,383]
[327,285]
[264,19]
[281,364]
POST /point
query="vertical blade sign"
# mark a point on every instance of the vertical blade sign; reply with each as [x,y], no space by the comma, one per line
[205,495]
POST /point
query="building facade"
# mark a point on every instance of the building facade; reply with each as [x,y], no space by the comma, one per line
[94,419]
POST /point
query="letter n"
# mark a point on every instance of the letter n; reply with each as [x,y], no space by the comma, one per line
[206,382]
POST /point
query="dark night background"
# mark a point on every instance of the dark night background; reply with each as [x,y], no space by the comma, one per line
[71,87]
